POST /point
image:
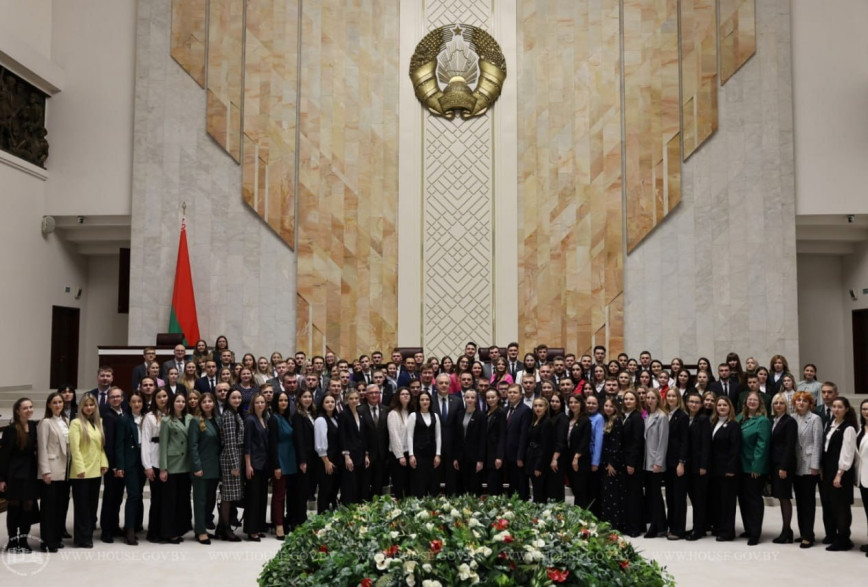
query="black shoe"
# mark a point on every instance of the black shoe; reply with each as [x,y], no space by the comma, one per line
[753,541]
[176,540]
[209,525]
[253,538]
[864,548]
[66,534]
[806,543]
[828,540]
[743,535]
[671,536]
[786,537]
[84,544]
[724,538]
[107,538]
[229,536]
[204,540]
[840,546]
[694,536]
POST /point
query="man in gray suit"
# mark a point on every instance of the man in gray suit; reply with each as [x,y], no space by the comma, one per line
[177,362]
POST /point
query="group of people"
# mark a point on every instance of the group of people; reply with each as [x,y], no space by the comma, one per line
[615,432]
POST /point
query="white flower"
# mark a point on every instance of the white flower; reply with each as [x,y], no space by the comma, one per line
[467,512]
[528,557]
[455,514]
[476,534]
[423,515]
[508,515]
[427,568]
[409,567]
[473,564]
[538,543]
[393,534]
[410,580]
[429,526]
[382,563]
[485,551]
[395,513]
[473,523]
[430,583]
[464,571]
[500,536]
[363,530]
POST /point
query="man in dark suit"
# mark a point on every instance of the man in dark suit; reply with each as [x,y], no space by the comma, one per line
[426,378]
[387,387]
[724,385]
[513,364]
[335,392]
[177,361]
[407,372]
[373,415]
[829,393]
[104,379]
[448,407]
[113,485]
[225,360]
[311,384]
[149,355]
[493,355]
[517,422]
[208,382]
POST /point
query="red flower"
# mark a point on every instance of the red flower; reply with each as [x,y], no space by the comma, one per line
[436,546]
[557,575]
[323,548]
[392,550]
[457,523]
[508,538]
[502,555]
[511,566]
[613,537]
[624,564]
[585,533]
[367,583]
[501,524]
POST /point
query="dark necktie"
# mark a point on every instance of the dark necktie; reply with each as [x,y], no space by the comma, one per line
[339,408]
[726,388]
[443,408]
[211,384]
[375,414]
[102,399]
[509,413]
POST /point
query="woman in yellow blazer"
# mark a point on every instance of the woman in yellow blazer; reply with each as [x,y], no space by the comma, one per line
[175,472]
[89,464]
[53,457]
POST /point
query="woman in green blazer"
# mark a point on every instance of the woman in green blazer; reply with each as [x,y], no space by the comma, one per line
[128,458]
[175,472]
[756,433]
[203,443]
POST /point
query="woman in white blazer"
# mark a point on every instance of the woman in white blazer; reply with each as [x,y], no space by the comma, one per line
[808,454]
[52,437]
[862,460]
[656,445]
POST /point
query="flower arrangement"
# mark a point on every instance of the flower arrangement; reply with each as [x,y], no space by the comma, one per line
[462,540]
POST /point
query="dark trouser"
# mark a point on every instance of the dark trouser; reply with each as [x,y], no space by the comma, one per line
[278,499]
[840,501]
[353,482]
[676,501]
[594,484]
[517,480]
[657,511]
[255,502]
[425,479]
[327,496]
[538,484]
[55,498]
[805,487]
[134,510]
[471,481]
[176,510]
[204,501]
[376,478]
[494,480]
[697,489]
[724,492]
[400,477]
[863,491]
[298,493]
[634,523]
[579,484]
[155,513]
[556,484]
[85,499]
[18,522]
[447,475]
[750,501]
[112,497]
[829,524]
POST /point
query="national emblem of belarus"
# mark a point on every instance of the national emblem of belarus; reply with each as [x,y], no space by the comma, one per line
[457,69]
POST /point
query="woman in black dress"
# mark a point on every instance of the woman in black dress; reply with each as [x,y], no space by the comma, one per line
[18,468]
[698,458]
[676,464]
[354,447]
[256,467]
[327,444]
[575,460]
[561,459]
[302,424]
[423,445]
[725,467]
[633,449]
[782,462]
[613,490]
[495,440]
[540,448]
[469,444]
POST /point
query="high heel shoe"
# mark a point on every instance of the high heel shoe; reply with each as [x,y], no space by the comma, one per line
[229,536]
[253,538]
[131,537]
[786,537]
[205,540]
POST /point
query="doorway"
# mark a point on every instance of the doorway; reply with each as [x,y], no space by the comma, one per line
[860,351]
[64,346]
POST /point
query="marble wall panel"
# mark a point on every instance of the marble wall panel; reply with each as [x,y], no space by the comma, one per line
[225,74]
[244,275]
[698,24]
[189,35]
[737,35]
[270,112]
[651,113]
[570,266]
[348,177]
[720,274]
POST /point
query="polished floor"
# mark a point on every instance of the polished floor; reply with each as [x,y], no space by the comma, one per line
[704,562]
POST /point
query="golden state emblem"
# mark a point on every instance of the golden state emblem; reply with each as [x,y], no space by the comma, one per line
[457,69]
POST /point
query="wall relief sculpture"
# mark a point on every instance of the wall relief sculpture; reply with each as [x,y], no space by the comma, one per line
[22,119]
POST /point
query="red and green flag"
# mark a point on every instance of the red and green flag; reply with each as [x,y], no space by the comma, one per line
[183,317]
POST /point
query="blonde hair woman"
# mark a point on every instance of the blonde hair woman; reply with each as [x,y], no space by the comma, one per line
[89,464]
